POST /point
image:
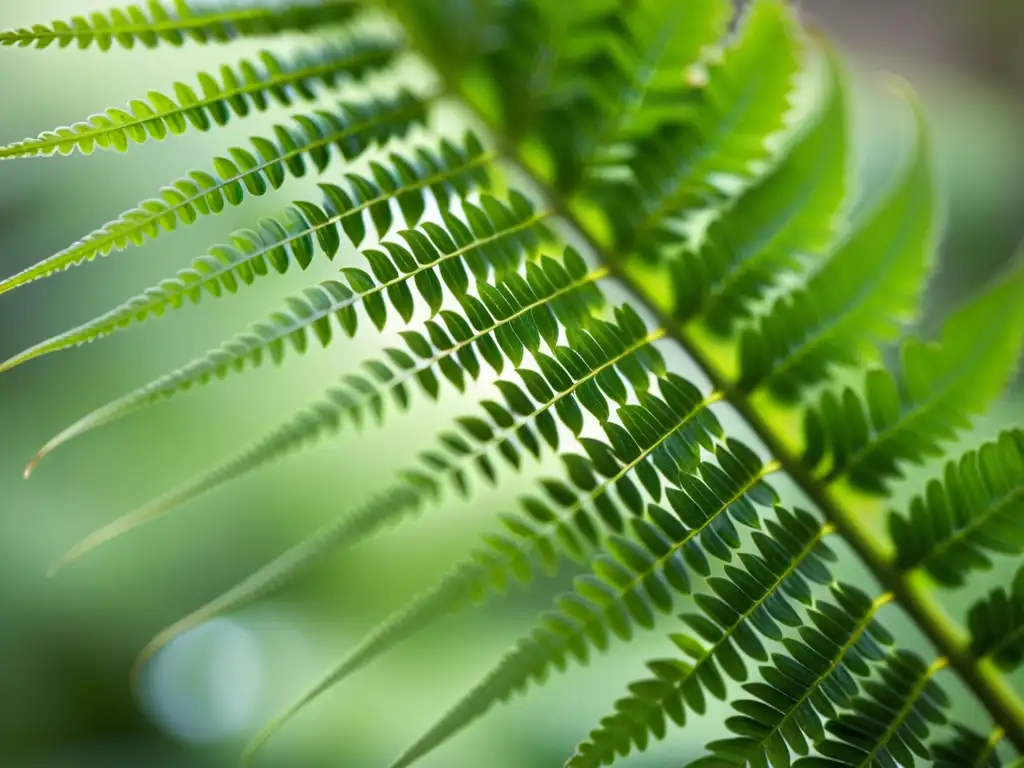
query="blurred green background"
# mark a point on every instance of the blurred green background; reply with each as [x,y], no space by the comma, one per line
[66,645]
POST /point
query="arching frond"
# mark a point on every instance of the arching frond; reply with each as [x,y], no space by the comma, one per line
[856,299]
[350,130]
[496,239]
[997,625]
[567,521]
[744,101]
[755,600]
[939,387]
[452,348]
[277,244]
[811,681]
[977,508]
[890,724]
[239,90]
[175,22]
[632,582]
[788,215]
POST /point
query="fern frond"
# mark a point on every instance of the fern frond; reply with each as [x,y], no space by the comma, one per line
[977,508]
[541,531]
[631,582]
[745,101]
[278,244]
[890,724]
[495,240]
[357,397]
[352,129]
[661,40]
[939,387]
[997,625]
[156,23]
[415,488]
[247,87]
[814,678]
[856,299]
[968,750]
[789,214]
[749,602]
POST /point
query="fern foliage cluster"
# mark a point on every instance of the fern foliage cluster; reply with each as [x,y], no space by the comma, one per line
[697,160]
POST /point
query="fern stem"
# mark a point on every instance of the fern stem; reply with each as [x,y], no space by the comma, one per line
[1003,704]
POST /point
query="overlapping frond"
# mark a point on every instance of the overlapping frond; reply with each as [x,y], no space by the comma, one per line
[277,244]
[907,416]
[495,240]
[632,581]
[235,91]
[662,438]
[812,681]
[505,324]
[789,215]
[348,131]
[174,23]
[889,724]
[753,601]
[977,508]
[744,102]
[856,299]
[997,625]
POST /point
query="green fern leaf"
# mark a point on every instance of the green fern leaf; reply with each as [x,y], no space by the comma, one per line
[789,214]
[750,602]
[815,678]
[997,626]
[661,40]
[541,529]
[939,387]
[968,750]
[495,240]
[155,24]
[631,583]
[239,91]
[744,101]
[856,299]
[977,508]
[451,348]
[889,725]
[277,244]
[353,128]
